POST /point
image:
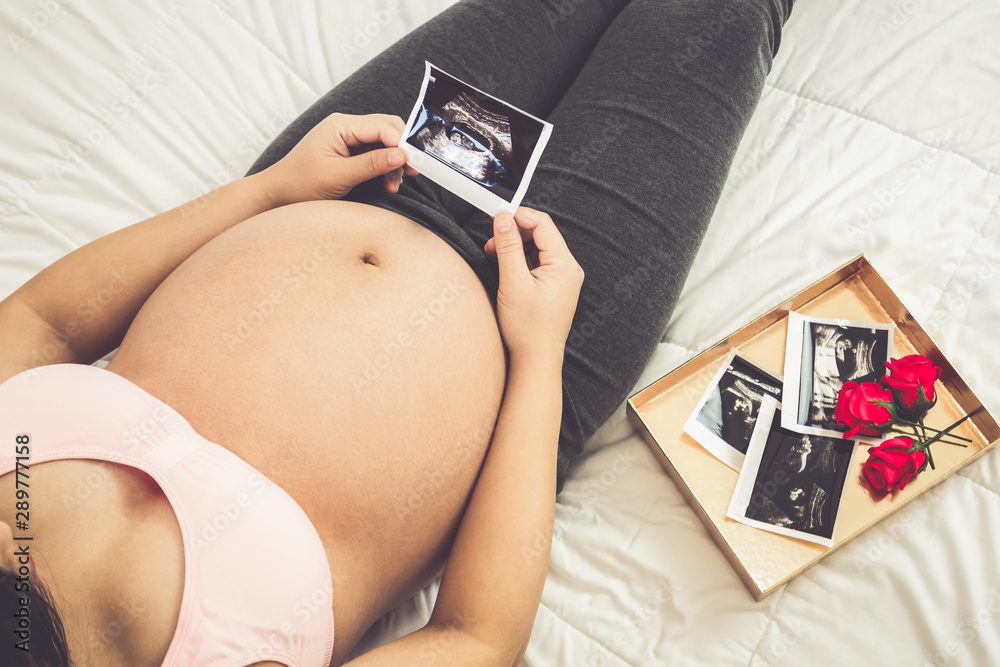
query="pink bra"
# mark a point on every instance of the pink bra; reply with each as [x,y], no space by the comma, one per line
[257,584]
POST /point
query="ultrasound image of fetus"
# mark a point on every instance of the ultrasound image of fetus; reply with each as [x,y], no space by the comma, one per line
[469,138]
[809,472]
[842,353]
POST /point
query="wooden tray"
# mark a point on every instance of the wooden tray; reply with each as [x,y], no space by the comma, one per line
[765,560]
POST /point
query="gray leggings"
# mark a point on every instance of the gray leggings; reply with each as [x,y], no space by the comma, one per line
[648,99]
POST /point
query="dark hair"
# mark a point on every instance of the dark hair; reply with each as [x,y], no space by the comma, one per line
[47,641]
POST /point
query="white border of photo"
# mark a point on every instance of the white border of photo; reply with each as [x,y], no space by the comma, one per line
[744,491]
[793,370]
[715,445]
[455,181]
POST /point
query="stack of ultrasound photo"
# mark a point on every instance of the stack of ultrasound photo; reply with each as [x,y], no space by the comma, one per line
[779,432]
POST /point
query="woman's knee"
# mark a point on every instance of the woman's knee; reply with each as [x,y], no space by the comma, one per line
[741,27]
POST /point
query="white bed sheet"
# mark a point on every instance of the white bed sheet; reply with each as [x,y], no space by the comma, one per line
[878,132]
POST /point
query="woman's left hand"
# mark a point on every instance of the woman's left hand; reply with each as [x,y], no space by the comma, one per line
[540,284]
[339,153]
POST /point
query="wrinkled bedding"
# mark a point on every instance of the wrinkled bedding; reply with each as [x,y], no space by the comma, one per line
[878,132]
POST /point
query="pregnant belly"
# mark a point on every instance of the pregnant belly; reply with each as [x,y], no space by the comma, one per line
[350,355]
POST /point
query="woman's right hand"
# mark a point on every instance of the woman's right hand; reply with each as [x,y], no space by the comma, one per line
[339,153]
[539,285]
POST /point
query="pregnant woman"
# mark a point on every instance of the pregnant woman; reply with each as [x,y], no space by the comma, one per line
[330,379]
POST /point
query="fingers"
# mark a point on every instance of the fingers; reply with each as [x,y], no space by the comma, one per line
[369,129]
[393,181]
[510,252]
[538,229]
[544,232]
[491,248]
[360,168]
[364,136]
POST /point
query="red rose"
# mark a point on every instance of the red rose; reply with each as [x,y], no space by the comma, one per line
[892,464]
[912,381]
[865,409]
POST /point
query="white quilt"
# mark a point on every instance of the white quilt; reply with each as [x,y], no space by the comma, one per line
[878,132]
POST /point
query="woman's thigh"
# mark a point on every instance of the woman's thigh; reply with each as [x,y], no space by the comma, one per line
[526,52]
[642,144]
[649,100]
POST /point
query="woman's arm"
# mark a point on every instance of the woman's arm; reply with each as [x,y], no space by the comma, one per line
[79,308]
[89,298]
[493,581]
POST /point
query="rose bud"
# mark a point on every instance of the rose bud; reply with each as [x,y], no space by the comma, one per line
[892,464]
[912,382]
[865,409]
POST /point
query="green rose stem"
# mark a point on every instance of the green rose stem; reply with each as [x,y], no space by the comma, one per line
[923,439]
[925,446]
[930,428]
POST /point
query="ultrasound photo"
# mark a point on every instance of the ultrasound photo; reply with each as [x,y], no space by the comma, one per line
[724,418]
[791,483]
[487,148]
[820,357]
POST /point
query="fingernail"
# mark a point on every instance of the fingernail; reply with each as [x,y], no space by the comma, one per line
[396,158]
[504,222]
